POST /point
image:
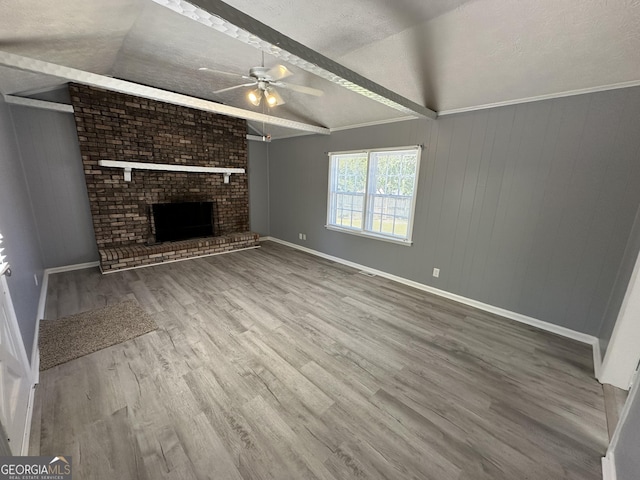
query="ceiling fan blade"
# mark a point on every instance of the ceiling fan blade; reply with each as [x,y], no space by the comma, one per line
[301,89]
[221,72]
[236,86]
[279,72]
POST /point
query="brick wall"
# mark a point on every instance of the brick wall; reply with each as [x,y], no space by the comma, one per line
[115,126]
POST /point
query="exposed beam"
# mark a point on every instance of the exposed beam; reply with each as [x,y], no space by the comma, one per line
[43,104]
[232,22]
[94,80]
[43,89]
[259,138]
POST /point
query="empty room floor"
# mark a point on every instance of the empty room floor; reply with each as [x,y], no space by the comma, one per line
[274,364]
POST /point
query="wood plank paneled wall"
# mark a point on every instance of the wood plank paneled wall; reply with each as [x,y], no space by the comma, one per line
[526,207]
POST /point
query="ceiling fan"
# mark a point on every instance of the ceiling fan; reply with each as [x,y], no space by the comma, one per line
[265,80]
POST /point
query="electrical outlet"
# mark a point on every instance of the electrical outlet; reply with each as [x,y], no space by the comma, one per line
[436,272]
[304,236]
[35,278]
[300,236]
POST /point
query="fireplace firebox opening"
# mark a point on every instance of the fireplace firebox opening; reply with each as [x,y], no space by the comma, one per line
[182,221]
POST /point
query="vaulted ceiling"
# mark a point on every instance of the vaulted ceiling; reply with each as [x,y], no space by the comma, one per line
[443,54]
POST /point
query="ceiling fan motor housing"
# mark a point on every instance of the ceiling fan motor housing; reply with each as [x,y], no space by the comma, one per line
[260,73]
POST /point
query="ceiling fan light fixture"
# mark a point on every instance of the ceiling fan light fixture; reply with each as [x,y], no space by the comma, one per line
[272,101]
[255,96]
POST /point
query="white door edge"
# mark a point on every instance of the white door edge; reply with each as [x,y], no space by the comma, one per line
[22,378]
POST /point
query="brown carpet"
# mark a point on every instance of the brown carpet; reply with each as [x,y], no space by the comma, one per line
[71,337]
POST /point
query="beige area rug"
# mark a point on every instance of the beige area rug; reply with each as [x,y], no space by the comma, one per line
[72,337]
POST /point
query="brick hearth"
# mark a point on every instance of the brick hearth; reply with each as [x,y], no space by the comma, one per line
[115,126]
[136,255]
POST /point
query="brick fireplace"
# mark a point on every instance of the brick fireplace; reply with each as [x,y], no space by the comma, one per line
[115,126]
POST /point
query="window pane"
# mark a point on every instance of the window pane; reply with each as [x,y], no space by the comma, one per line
[347,186]
[406,186]
[391,190]
[351,173]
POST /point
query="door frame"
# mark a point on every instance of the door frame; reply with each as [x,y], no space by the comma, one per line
[14,331]
[623,352]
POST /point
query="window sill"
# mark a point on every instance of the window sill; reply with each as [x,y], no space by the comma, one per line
[359,233]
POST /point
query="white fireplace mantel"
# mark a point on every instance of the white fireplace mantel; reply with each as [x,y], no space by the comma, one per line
[129,166]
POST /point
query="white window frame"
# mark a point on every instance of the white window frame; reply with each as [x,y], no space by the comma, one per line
[365,213]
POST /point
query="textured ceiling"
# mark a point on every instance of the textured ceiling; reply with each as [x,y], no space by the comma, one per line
[445,54]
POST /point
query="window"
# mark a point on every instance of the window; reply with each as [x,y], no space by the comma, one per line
[373,192]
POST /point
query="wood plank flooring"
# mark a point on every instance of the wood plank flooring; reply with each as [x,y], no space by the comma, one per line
[274,364]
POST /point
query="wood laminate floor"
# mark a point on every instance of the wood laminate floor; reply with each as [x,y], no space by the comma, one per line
[273,364]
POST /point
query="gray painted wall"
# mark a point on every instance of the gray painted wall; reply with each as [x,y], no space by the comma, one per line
[526,207]
[259,187]
[19,230]
[620,286]
[627,446]
[53,168]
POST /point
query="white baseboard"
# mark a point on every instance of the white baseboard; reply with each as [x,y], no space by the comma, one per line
[609,467]
[518,317]
[35,360]
[27,429]
[70,268]
[35,351]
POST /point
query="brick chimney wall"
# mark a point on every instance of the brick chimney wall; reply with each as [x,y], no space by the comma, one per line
[115,126]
